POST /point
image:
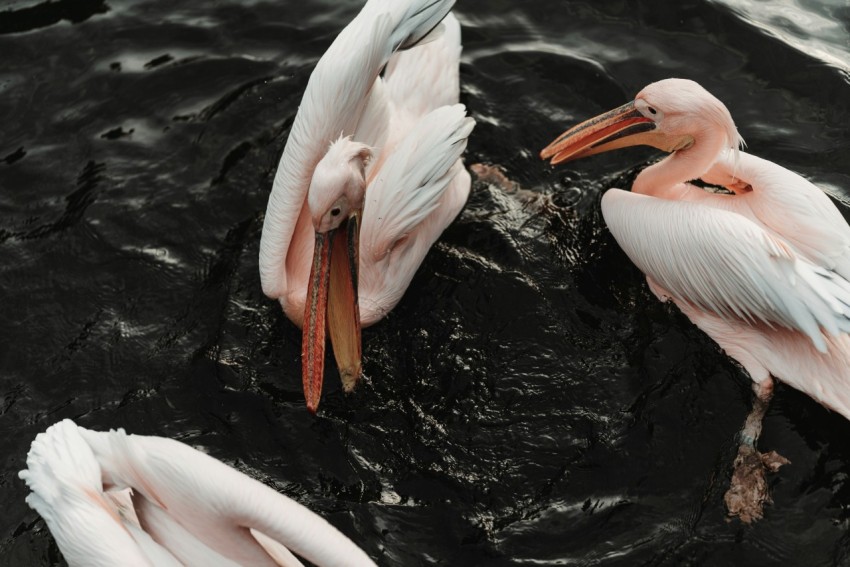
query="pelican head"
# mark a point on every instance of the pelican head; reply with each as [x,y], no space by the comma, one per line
[669,115]
[335,201]
[338,184]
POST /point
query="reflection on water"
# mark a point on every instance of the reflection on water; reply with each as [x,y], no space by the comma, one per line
[528,402]
[818,29]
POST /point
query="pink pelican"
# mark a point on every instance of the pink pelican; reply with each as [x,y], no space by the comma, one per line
[118,499]
[375,158]
[763,271]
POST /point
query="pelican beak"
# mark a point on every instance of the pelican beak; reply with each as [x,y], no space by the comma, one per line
[619,128]
[332,304]
[343,306]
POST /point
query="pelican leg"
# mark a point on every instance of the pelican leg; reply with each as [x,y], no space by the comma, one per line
[748,491]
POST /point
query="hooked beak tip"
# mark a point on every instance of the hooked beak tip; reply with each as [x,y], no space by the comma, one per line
[350,376]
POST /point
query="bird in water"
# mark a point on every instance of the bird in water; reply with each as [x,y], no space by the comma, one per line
[370,177]
[763,269]
[110,498]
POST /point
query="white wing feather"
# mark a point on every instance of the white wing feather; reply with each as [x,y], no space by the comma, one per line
[409,185]
[425,78]
[790,206]
[67,492]
[724,263]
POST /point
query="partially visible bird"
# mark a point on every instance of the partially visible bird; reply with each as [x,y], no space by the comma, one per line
[370,177]
[763,271]
[117,499]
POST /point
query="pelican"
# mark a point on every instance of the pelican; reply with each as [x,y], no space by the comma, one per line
[369,178]
[115,499]
[763,271]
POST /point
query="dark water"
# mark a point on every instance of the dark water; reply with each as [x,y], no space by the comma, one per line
[528,402]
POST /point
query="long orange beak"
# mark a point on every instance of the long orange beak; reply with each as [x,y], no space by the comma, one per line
[332,304]
[343,305]
[619,128]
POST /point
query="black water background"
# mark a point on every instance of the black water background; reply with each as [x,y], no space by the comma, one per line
[528,401]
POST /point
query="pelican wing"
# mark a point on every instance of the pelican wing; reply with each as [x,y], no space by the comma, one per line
[408,187]
[791,206]
[65,479]
[426,77]
[724,263]
[199,508]
[336,95]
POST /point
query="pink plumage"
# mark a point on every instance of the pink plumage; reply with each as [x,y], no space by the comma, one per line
[763,271]
[115,499]
[398,185]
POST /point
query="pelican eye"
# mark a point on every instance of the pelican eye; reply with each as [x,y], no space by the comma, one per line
[335,211]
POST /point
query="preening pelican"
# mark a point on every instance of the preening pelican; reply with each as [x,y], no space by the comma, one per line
[763,271]
[118,499]
[376,159]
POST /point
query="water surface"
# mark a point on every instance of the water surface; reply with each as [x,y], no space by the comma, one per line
[527,403]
